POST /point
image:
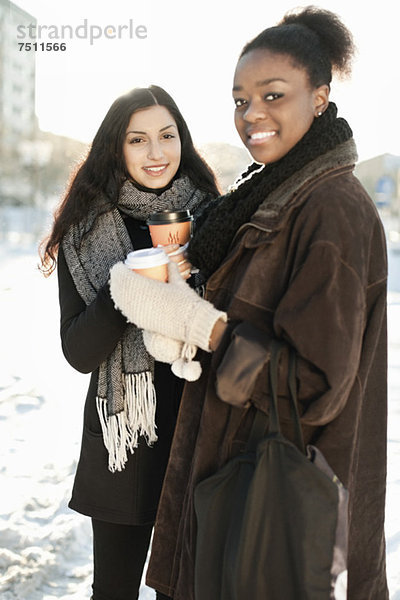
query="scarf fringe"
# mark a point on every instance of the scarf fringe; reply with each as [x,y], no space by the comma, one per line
[122,430]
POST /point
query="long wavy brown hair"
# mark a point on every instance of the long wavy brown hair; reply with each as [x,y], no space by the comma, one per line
[103,171]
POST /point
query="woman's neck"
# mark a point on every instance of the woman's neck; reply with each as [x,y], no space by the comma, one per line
[156,191]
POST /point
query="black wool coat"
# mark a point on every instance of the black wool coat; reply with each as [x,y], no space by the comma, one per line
[88,335]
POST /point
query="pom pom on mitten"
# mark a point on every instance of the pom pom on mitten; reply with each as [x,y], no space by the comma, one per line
[174,352]
[185,367]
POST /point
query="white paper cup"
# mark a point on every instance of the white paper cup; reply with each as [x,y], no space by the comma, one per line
[150,262]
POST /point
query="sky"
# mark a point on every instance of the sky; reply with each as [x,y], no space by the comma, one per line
[191,50]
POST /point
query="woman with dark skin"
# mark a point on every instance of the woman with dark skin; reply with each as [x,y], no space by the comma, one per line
[142,160]
[295,254]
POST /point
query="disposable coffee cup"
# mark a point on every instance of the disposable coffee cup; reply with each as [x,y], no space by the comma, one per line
[150,262]
[170,227]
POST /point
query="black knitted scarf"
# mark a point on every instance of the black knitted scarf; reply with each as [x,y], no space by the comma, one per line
[214,234]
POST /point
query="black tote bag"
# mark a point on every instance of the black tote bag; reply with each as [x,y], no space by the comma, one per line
[271,523]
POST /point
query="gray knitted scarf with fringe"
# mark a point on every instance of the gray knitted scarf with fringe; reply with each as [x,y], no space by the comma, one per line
[126,400]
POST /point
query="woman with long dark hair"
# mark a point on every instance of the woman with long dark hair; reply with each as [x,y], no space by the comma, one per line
[142,160]
[295,255]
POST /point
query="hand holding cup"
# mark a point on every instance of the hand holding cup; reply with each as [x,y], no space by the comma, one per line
[177,254]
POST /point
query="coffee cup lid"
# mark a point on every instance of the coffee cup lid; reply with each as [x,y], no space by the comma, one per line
[148,257]
[165,217]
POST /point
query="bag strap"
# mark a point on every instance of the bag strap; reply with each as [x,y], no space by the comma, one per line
[258,430]
[261,423]
[299,441]
[276,351]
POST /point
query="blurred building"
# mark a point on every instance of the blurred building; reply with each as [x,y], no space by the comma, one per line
[34,164]
[227,162]
[17,100]
[17,77]
[381,177]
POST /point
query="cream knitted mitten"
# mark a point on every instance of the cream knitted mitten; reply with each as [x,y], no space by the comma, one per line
[162,348]
[172,309]
[177,354]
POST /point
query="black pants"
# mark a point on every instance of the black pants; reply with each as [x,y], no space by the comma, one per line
[119,555]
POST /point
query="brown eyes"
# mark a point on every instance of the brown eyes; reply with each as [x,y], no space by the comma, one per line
[138,140]
[270,97]
[239,102]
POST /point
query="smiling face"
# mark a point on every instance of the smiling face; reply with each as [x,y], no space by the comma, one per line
[275,104]
[152,147]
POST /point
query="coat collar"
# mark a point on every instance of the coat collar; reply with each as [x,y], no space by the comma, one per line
[269,213]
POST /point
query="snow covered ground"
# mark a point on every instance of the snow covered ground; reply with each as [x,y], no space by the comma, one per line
[45,549]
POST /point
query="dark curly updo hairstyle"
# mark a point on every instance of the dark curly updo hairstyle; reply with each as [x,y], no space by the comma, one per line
[315,39]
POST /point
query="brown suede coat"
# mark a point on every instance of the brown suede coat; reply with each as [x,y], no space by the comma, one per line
[310,269]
